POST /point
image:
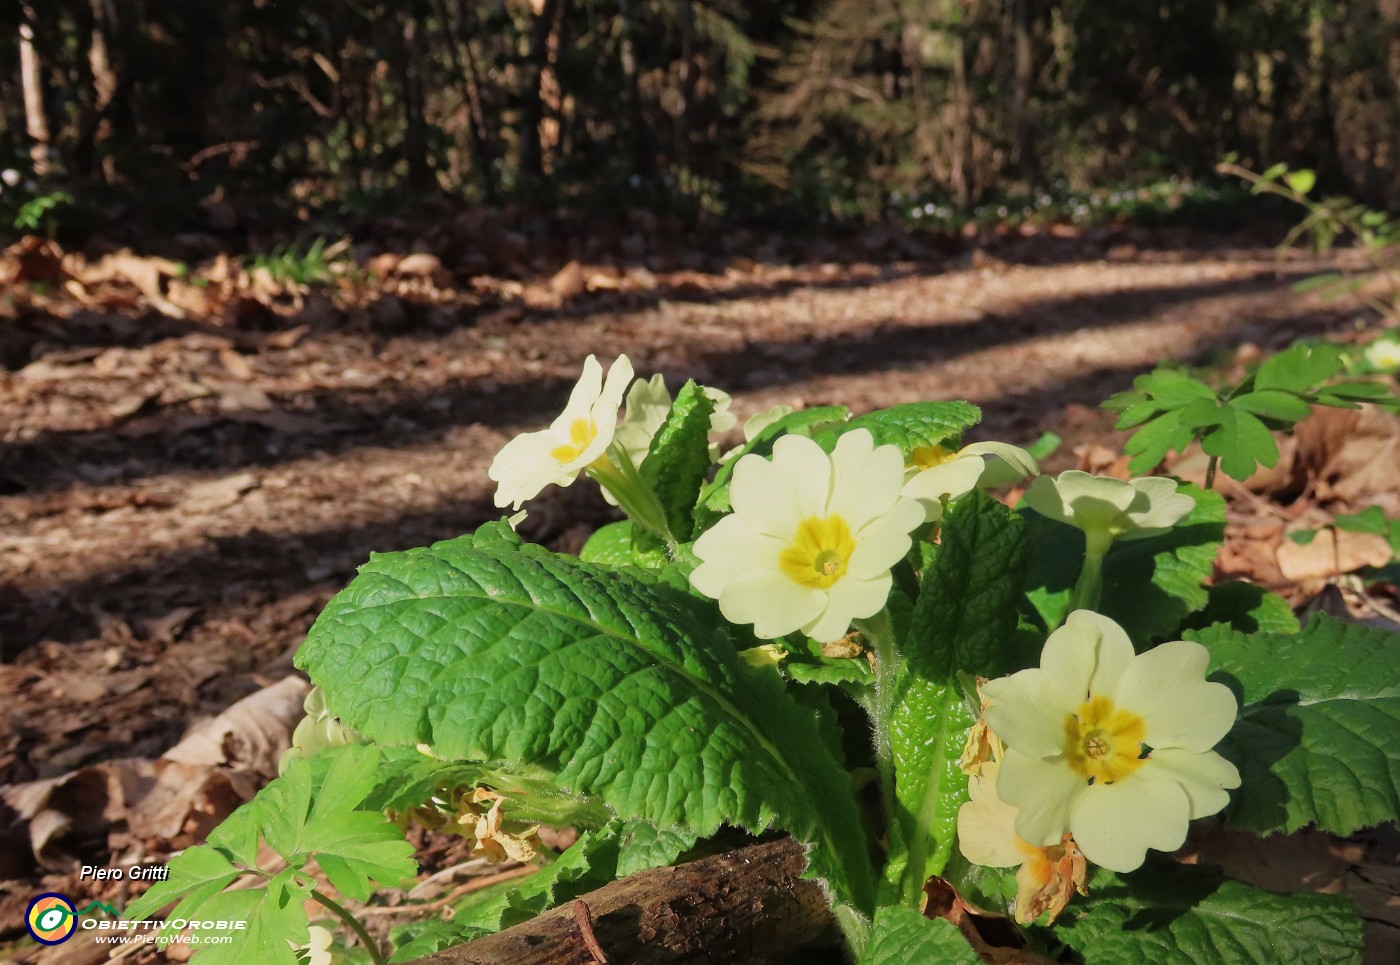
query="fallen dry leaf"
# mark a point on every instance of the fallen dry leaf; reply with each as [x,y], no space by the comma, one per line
[1331,553]
[251,735]
[217,493]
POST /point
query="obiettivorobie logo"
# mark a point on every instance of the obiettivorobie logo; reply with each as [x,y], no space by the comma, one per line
[51,918]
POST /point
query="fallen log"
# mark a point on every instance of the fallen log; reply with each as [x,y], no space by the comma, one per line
[744,906]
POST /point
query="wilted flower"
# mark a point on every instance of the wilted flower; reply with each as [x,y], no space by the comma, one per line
[812,537]
[1111,747]
[1047,877]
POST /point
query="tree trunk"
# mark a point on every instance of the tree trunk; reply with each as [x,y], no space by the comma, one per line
[36,123]
[415,128]
[532,106]
[744,906]
[1021,96]
[459,50]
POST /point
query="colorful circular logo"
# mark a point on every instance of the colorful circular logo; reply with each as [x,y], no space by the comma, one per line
[51,919]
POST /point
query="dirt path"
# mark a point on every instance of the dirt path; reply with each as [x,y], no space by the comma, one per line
[178,504]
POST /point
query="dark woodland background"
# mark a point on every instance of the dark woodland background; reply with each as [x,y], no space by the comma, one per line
[843,108]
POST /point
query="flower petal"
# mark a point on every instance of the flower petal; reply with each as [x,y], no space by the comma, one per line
[1044,790]
[1089,653]
[1023,711]
[866,478]
[1115,824]
[849,599]
[1158,507]
[1008,463]
[760,494]
[1205,778]
[524,467]
[729,551]
[774,604]
[883,542]
[1166,686]
[806,472]
[581,399]
[987,826]
[954,478]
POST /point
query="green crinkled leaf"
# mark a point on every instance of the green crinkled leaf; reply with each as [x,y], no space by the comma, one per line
[909,426]
[678,460]
[1320,720]
[1245,607]
[646,846]
[964,622]
[1172,914]
[414,940]
[966,610]
[589,863]
[619,689]
[928,730]
[595,859]
[713,501]
[1150,586]
[902,936]
[610,545]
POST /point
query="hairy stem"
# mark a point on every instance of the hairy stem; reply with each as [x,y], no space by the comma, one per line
[879,631]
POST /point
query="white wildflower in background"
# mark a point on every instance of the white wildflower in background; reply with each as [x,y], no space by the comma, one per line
[812,538]
[1383,355]
[573,442]
[1046,877]
[1111,747]
[937,473]
[1107,509]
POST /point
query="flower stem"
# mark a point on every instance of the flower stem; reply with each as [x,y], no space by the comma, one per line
[1210,472]
[1088,589]
[879,631]
[339,911]
[616,473]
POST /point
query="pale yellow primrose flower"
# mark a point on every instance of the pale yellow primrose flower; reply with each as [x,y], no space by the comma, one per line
[1111,747]
[1383,354]
[812,538]
[648,405]
[936,472]
[1046,878]
[1106,508]
[573,442]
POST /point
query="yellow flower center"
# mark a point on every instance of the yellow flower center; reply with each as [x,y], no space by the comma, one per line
[926,457]
[581,435]
[819,553]
[1104,742]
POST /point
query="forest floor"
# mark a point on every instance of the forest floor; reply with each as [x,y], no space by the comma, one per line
[192,463]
